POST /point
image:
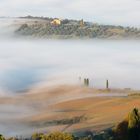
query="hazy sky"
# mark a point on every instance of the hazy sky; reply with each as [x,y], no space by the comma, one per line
[124,12]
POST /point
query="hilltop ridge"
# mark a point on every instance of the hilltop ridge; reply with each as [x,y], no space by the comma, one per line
[44,27]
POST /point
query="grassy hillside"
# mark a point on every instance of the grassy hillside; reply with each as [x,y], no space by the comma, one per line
[128,129]
[70,108]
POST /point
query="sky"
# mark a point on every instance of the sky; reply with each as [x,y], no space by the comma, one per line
[119,12]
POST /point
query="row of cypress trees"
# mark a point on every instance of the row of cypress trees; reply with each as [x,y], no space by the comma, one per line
[86,82]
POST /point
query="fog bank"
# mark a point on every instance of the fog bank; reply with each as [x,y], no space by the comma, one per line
[27,62]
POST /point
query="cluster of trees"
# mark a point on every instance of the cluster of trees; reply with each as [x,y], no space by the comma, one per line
[52,136]
[73,29]
[129,129]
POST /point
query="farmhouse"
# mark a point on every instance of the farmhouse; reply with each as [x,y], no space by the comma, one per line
[56,22]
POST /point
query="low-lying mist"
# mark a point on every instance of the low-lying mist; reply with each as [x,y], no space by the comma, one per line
[25,62]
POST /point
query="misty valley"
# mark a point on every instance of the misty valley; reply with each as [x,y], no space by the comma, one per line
[68,86]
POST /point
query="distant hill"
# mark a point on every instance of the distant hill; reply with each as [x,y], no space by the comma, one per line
[44,27]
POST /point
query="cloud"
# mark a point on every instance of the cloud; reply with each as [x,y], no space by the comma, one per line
[123,12]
